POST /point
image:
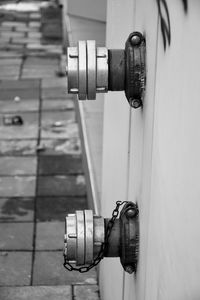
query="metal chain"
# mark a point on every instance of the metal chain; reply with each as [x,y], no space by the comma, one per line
[104,245]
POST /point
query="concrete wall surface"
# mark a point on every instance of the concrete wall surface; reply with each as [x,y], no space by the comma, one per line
[95,9]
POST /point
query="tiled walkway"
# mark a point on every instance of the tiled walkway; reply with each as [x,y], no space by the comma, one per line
[41,175]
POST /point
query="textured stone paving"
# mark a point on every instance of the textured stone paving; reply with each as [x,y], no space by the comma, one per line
[41,175]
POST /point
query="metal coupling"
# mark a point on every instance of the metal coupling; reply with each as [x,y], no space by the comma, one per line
[94,69]
[84,235]
[87,70]
[88,238]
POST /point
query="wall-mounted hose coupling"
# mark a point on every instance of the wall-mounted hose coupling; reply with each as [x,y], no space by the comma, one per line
[94,69]
[89,238]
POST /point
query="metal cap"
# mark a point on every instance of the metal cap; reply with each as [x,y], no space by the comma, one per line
[87,69]
[84,234]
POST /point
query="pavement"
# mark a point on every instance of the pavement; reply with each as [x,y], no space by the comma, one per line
[41,173]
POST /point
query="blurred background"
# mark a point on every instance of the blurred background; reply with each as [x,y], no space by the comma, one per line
[41,170]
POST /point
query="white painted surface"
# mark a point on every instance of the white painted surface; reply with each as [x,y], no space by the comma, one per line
[91,119]
[141,139]
[115,144]
[173,265]
[157,162]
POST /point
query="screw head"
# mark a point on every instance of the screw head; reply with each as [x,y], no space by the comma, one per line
[135,103]
[135,39]
[129,269]
[131,213]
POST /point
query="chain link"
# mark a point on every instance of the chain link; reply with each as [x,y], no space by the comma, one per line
[104,245]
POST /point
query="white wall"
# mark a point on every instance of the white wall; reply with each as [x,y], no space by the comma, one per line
[115,144]
[152,155]
[173,265]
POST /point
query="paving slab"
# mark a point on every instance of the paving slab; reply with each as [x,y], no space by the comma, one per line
[41,61]
[12,34]
[29,128]
[12,54]
[16,236]
[49,270]
[24,94]
[29,118]
[18,165]
[21,25]
[15,268]
[4,28]
[18,147]
[10,61]
[56,104]
[61,164]
[30,84]
[9,70]
[19,132]
[12,47]
[61,185]
[26,29]
[34,34]
[9,77]
[40,73]
[13,15]
[25,40]
[35,15]
[17,186]
[35,49]
[12,106]
[56,208]
[15,62]
[36,24]
[54,51]
[57,118]
[60,146]
[45,65]
[36,293]
[49,235]
[52,29]
[35,44]
[66,130]
[4,40]
[31,29]
[54,82]
[89,292]
[6,25]
[16,209]
[12,23]
[60,92]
